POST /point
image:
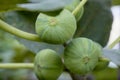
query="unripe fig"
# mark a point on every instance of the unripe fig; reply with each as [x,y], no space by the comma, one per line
[48,65]
[102,64]
[81,55]
[72,6]
[58,29]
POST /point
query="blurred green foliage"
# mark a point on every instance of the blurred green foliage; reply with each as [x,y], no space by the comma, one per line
[116,2]
[106,74]
[12,51]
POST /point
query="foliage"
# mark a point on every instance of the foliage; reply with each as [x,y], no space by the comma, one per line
[95,24]
[96,21]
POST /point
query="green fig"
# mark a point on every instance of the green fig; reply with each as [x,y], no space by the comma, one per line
[101,65]
[48,65]
[81,55]
[58,29]
[71,7]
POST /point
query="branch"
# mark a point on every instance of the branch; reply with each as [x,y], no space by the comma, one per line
[80,5]
[16,65]
[8,28]
[114,43]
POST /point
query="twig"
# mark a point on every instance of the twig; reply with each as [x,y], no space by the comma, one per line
[16,65]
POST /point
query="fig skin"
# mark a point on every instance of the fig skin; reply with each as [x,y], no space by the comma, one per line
[58,29]
[48,65]
[81,55]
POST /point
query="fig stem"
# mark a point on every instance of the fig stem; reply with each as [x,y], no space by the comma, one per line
[80,5]
[16,65]
[114,43]
[8,28]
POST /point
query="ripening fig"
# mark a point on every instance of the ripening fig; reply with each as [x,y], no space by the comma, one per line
[81,55]
[48,65]
[58,29]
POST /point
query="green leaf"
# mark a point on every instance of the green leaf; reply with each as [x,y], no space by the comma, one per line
[116,2]
[45,5]
[96,21]
[6,5]
[25,21]
[33,5]
[113,55]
